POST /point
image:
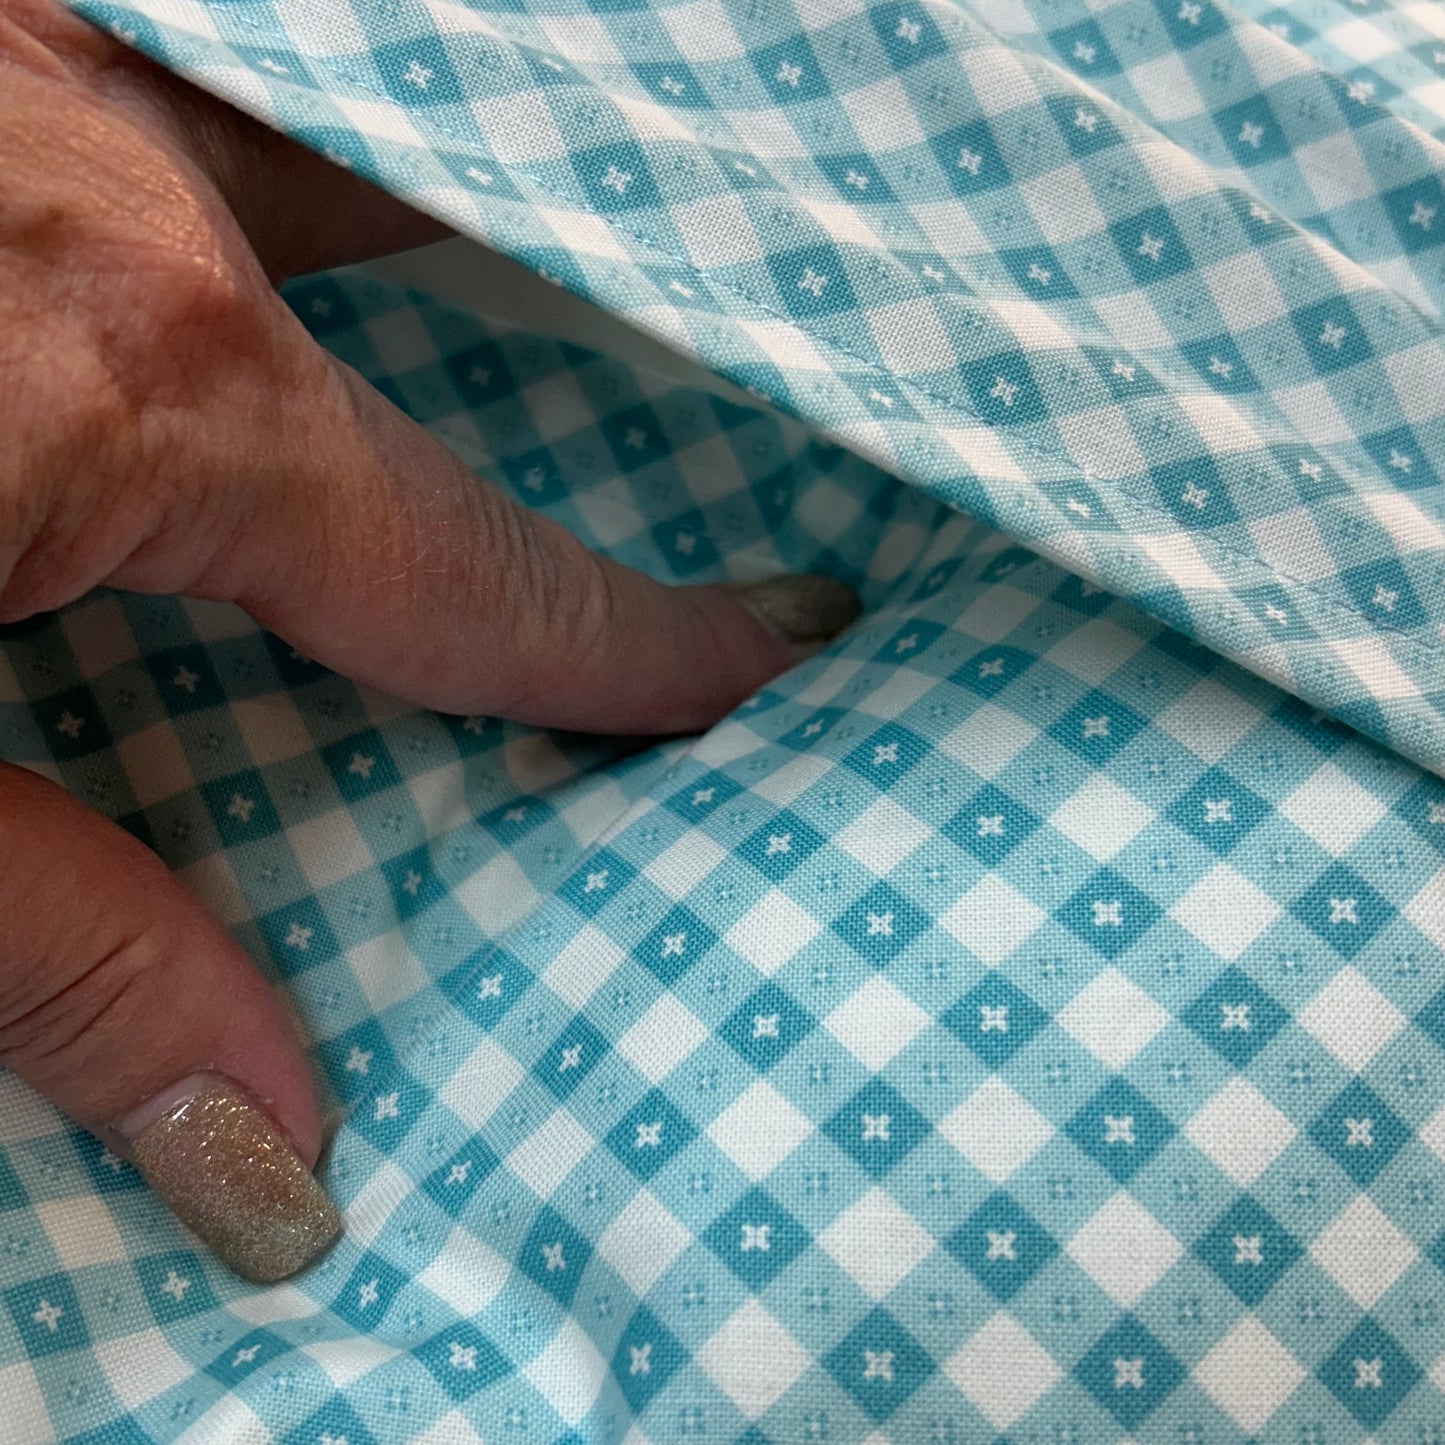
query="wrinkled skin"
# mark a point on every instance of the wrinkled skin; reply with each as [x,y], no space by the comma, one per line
[170,427]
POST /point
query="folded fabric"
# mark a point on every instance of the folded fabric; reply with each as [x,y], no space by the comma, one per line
[1023,1020]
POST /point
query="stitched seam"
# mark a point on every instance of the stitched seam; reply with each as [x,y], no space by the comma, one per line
[1423,648]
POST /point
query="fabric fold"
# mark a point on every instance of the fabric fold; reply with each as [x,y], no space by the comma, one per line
[1149,290]
[931,1048]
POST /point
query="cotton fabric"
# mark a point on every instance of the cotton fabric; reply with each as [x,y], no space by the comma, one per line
[1023,1020]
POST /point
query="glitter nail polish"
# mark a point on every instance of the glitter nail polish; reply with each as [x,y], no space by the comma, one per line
[222,1166]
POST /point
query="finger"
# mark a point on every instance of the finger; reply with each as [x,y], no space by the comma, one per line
[380,555]
[403,572]
[217,451]
[126,1004]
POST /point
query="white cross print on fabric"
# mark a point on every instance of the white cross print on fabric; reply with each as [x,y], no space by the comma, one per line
[878,1365]
[1000,1244]
[1129,1373]
[756,1236]
[1064,346]
[1248,1249]
[1108,913]
[1119,1129]
[1359,1133]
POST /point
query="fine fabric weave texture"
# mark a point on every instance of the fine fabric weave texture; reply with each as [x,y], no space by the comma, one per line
[1024,1021]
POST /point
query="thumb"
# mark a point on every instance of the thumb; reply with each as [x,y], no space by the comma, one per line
[127,1005]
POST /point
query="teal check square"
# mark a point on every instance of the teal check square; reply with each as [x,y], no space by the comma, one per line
[1369,1374]
[46,1315]
[1248,1249]
[757,1239]
[648,1356]
[830,1074]
[361,765]
[1359,1131]
[1129,1372]
[879,1364]
[1120,1129]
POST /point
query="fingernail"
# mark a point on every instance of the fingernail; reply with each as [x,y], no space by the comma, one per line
[802,607]
[222,1166]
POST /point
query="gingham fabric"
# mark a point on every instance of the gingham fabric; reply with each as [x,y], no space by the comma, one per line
[1017,1023]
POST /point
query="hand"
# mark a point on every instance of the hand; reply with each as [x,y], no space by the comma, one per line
[170,427]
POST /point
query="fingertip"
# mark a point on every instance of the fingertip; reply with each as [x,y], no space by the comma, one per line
[221,1164]
[124,1002]
[801,608]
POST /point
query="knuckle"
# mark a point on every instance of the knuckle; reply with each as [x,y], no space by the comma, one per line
[144,325]
[561,608]
[59,497]
[54,1020]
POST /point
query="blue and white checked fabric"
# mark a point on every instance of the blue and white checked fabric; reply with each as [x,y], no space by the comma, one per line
[1021,1022]
[1147,287]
